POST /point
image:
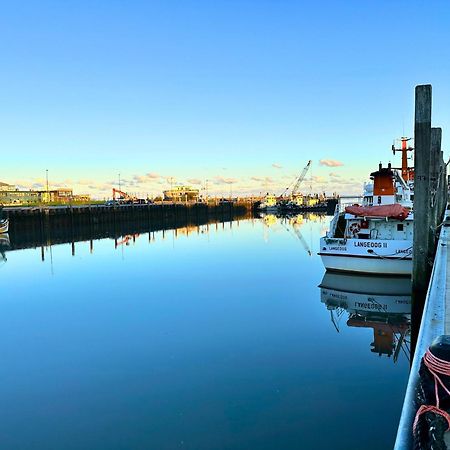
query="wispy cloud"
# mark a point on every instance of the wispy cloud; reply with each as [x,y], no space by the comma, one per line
[222,180]
[194,181]
[277,166]
[330,163]
[268,180]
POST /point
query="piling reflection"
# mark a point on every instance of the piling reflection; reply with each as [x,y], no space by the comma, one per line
[380,303]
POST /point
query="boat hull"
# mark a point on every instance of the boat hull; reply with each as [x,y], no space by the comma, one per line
[374,265]
[389,257]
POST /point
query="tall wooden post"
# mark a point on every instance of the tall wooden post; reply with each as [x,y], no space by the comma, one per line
[444,184]
[422,146]
[443,188]
[422,264]
[434,186]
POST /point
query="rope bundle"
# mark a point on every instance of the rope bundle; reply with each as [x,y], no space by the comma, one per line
[438,419]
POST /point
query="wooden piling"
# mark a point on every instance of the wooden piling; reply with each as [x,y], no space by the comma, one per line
[422,219]
[434,187]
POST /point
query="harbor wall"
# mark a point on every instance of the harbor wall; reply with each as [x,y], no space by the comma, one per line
[33,227]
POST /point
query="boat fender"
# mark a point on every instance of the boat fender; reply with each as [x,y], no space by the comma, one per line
[432,420]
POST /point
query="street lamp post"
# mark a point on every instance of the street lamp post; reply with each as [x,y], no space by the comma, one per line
[46,180]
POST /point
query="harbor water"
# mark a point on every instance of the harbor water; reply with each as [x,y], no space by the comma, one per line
[201,338]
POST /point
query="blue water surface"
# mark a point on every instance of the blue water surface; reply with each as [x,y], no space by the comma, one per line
[212,337]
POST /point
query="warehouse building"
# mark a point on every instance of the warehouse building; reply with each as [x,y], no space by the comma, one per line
[182,194]
[10,196]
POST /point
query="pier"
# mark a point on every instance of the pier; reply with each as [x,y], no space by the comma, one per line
[431,265]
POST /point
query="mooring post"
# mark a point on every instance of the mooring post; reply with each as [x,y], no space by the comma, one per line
[422,146]
[443,187]
[422,264]
[444,183]
[435,187]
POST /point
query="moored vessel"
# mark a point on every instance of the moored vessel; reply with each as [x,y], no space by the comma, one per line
[269,204]
[377,236]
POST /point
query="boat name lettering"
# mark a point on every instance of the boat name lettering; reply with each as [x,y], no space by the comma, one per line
[371,305]
[342,249]
[370,244]
[406,250]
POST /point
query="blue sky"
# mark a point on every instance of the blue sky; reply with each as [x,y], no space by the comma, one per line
[213,90]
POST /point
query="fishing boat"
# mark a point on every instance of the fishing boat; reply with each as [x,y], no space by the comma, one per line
[377,236]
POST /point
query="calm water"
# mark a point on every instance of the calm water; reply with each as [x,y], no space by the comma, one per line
[211,338]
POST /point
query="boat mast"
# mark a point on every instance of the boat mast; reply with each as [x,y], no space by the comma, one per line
[407,172]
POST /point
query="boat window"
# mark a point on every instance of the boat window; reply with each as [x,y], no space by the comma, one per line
[400,227]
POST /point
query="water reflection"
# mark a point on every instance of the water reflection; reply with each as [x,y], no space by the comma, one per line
[203,335]
[4,246]
[29,240]
[380,303]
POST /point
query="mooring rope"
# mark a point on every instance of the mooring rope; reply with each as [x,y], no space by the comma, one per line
[437,367]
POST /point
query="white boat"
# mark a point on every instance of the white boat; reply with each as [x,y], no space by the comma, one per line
[376,237]
[4,226]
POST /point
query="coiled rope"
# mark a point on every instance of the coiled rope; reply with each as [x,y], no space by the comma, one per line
[436,367]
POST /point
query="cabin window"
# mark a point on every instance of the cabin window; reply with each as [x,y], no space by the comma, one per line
[400,227]
[411,197]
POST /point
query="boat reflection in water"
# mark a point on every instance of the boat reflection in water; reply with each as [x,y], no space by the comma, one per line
[377,302]
[4,245]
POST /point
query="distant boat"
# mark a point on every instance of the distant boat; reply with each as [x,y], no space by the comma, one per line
[4,226]
[269,204]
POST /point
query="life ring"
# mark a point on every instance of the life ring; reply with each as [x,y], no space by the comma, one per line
[354,228]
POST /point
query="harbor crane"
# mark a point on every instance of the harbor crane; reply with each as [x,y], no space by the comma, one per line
[298,181]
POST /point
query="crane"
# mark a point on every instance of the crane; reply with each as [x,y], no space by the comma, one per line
[301,178]
[122,195]
[298,181]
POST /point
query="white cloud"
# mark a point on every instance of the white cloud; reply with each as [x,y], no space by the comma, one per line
[330,163]
[222,180]
[268,180]
[277,166]
[194,181]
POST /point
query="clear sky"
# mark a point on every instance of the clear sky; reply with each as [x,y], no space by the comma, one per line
[241,92]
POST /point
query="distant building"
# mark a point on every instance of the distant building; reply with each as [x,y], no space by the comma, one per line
[182,194]
[60,195]
[16,197]
[10,195]
[81,198]
[7,187]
